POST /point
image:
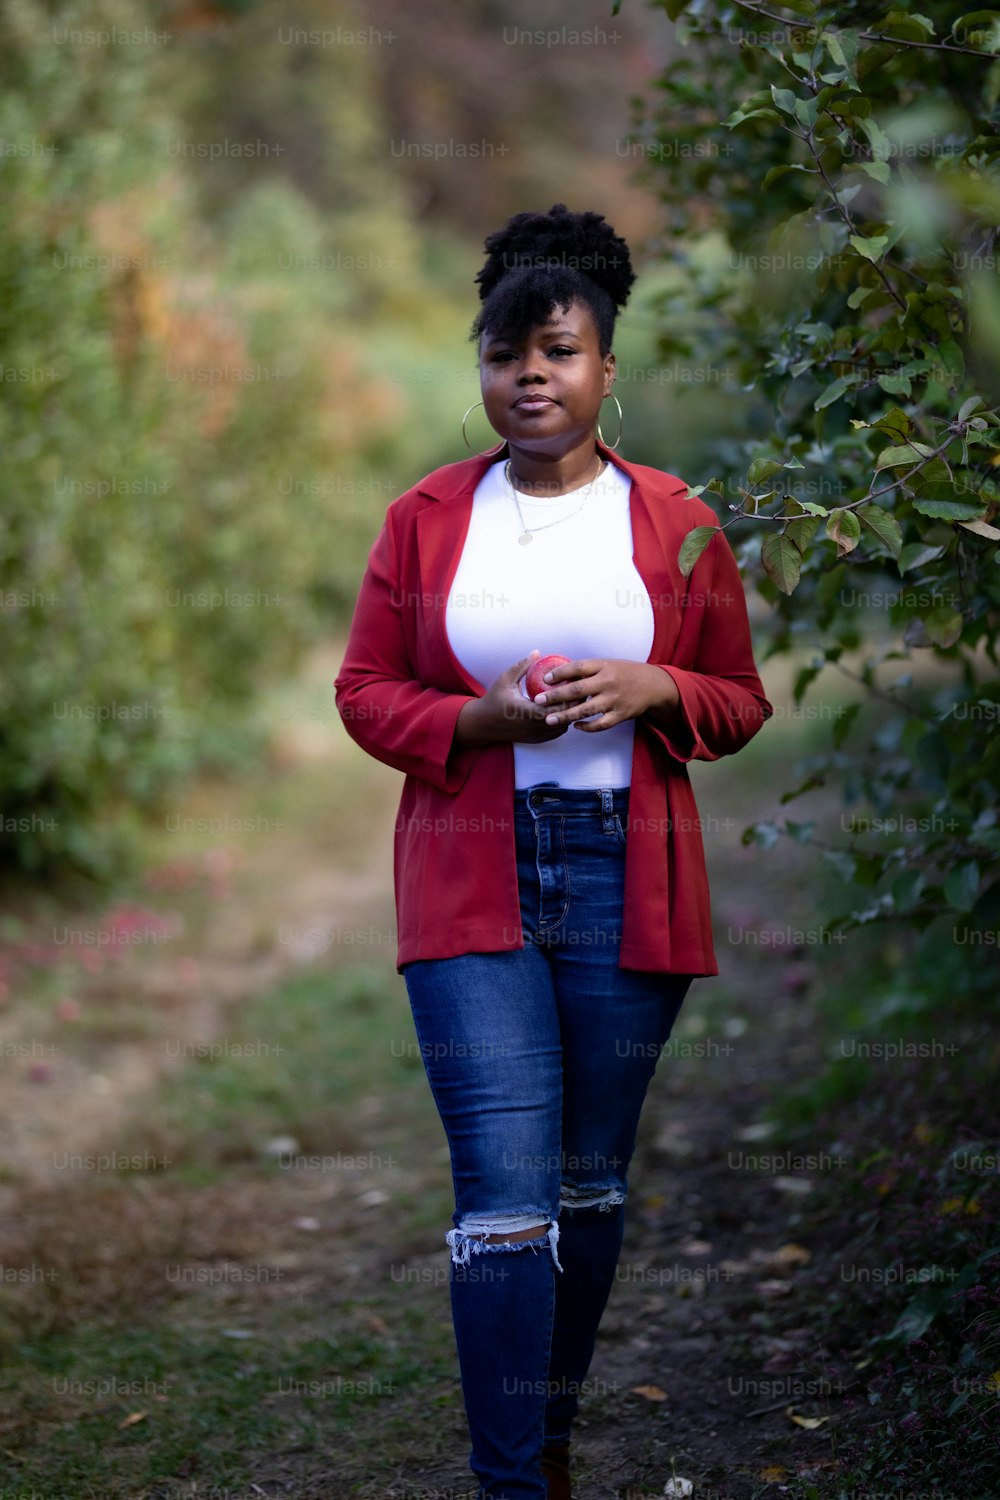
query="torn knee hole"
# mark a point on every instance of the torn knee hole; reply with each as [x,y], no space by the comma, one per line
[591,1195]
[513,1235]
[502,1232]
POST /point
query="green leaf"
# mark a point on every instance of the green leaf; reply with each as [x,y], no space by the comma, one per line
[761,469]
[953,360]
[895,385]
[799,791]
[782,561]
[856,106]
[693,546]
[739,115]
[843,724]
[814,508]
[901,454]
[859,295]
[877,139]
[877,169]
[879,142]
[961,885]
[844,528]
[912,28]
[968,407]
[675,7]
[943,625]
[803,679]
[784,99]
[895,420]
[774,173]
[986,22]
[884,525]
[869,868]
[806,112]
[907,889]
[763,834]
[842,46]
[915,554]
[870,246]
[845,864]
[801,530]
[942,501]
[834,390]
[935,471]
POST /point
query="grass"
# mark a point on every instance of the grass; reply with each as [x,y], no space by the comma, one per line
[113,1304]
[119,1411]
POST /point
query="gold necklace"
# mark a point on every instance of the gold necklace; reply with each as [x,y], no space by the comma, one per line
[526,533]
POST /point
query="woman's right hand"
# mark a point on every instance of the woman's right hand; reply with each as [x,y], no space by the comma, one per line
[504,716]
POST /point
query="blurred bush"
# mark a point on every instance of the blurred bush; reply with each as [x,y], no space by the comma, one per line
[193,432]
[835,198]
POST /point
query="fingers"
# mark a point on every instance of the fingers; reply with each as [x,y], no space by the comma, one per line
[572,670]
[517,671]
[592,726]
[590,709]
[575,674]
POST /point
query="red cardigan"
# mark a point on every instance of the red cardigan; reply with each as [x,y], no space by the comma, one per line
[400,689]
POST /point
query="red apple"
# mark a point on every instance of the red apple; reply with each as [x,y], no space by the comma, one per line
[533,682]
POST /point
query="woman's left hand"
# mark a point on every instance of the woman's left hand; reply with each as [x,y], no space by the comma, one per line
[612,690]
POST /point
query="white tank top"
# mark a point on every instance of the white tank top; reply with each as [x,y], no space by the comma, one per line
[572,591]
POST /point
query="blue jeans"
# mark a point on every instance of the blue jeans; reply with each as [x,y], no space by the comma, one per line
[539,1060]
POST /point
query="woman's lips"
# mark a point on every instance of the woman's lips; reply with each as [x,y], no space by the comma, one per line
[535,403]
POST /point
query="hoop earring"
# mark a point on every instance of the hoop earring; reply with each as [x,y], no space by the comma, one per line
[621,423]
[489,451]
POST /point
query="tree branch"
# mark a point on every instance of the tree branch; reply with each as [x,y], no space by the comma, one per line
[867,36]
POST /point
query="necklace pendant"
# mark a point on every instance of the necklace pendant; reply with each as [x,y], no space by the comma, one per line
[524,538]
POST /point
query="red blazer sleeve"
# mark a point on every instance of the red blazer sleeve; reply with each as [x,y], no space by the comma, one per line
[383,706]
[722,703]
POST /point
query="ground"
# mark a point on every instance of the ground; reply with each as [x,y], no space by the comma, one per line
[285,1328]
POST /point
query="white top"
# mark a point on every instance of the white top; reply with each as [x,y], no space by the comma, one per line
[573,591]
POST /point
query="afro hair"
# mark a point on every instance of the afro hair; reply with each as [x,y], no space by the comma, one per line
[537,262]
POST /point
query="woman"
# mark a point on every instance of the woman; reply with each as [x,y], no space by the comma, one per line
[551,893]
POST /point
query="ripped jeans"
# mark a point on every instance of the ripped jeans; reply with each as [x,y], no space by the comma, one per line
[539,1059]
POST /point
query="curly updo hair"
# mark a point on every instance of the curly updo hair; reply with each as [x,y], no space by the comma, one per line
[537,262]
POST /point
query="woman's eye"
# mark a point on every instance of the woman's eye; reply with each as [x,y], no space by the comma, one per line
[502,355]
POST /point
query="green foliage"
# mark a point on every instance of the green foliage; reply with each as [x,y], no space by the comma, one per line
[834,181]
[189,426]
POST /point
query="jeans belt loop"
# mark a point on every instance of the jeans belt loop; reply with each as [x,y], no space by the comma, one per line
[607,809]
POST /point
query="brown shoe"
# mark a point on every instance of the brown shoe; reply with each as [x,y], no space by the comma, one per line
[555,1470]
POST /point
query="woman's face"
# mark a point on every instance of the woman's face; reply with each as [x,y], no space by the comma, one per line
[544,392]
